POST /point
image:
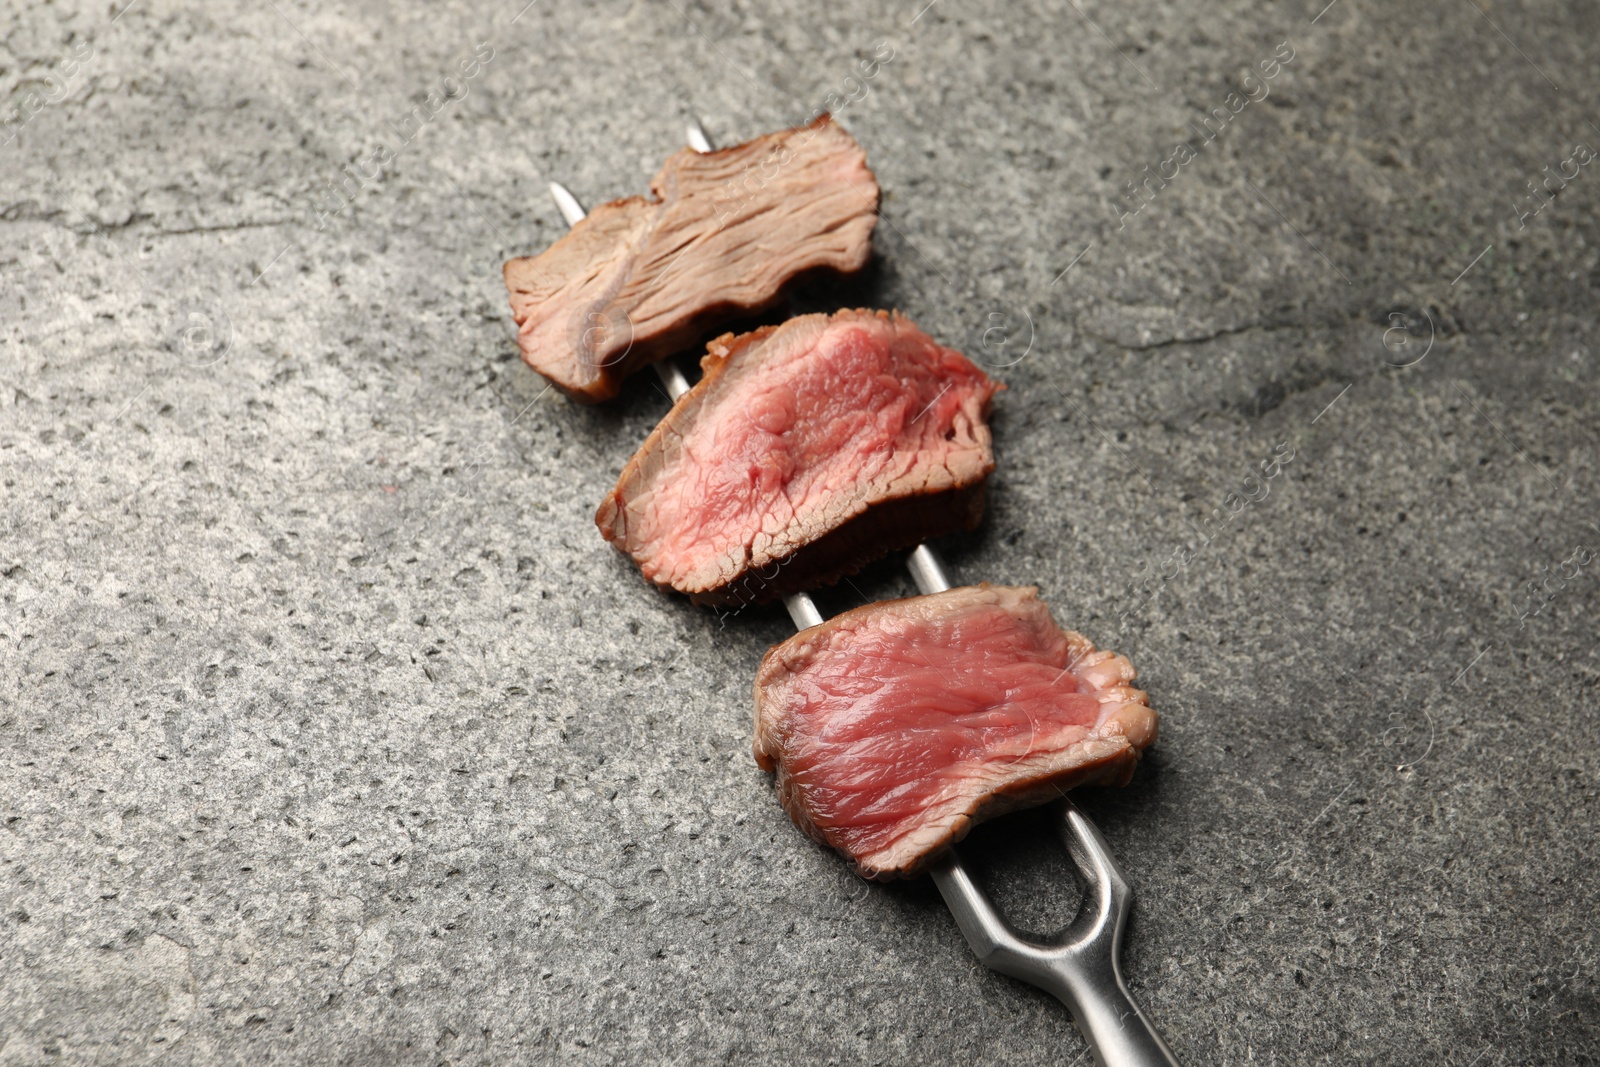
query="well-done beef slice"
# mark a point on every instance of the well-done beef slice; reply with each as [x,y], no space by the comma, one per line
[806,450]
[720,235]
[895,727]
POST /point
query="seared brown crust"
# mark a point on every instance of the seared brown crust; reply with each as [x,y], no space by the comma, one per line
[883,528]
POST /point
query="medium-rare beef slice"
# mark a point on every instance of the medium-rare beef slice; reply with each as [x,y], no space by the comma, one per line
[895,727]
[720,235]
[807,450]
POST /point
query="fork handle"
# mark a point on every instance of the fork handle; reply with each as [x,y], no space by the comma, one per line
[1118,1031]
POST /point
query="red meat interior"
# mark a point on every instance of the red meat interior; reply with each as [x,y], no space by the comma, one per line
[867,402]
[887,722]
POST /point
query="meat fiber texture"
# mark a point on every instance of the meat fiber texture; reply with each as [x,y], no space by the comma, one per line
[719,236]
[895,727]
[806,450]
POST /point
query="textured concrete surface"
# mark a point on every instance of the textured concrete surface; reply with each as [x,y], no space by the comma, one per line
[331,732]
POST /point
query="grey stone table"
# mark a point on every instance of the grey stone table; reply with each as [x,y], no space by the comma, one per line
[331,732]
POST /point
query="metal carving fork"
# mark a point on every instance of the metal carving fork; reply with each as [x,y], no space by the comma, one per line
[1081,967]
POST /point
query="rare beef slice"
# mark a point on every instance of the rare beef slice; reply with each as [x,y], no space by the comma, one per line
[719,236]
[807,450]
[895,727]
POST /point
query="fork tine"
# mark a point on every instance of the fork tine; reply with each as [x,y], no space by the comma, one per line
[696,136]
[571,210]
[1104,883]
